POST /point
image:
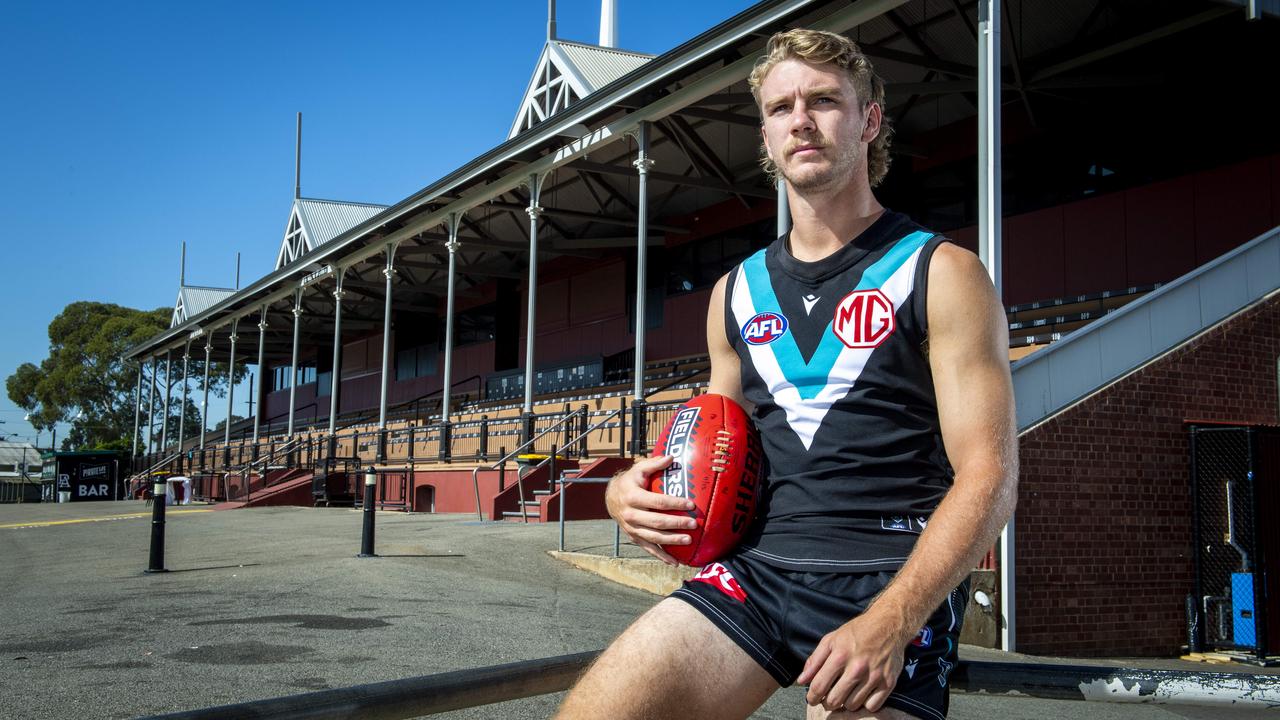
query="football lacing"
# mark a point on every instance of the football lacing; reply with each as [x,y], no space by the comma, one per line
[722,446]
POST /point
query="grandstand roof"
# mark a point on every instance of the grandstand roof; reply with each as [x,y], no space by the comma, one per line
[565,73]
[194,300]
[313,223]
[1060,61]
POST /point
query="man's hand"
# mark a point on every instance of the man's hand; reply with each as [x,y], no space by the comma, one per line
[637,510]
[857,664]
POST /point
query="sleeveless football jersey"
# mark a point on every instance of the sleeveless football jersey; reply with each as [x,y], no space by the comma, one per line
[833,356]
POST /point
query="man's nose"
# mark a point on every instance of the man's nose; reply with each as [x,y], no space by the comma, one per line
[801,118]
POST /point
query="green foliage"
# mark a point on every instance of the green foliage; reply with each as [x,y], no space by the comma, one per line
[87,381]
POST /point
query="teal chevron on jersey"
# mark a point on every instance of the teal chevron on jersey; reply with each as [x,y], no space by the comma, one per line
[809,378]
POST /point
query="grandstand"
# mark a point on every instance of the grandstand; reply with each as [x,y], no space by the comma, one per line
[548,299]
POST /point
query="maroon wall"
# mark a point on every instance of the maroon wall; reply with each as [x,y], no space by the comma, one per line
[1104,511]
[1148,234]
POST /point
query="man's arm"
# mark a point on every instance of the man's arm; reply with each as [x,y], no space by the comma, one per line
[858,664]
[639,512]
[726,370]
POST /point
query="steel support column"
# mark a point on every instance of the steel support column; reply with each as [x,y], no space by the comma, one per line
[534,210]
[453,245]
[151,406]
[231,382]
[168,393]
[293,364]
[137,414]
[989,241]
[336,374]
[642,164]
[204,404]
[388,272]
[182,414]
[262,337]
[784,209]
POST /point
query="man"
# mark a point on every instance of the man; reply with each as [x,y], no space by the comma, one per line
[886,411]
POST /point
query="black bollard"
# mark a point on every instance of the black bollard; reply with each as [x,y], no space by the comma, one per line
[156,562]
[370,494]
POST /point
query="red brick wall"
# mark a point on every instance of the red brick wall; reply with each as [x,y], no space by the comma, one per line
[1104,512]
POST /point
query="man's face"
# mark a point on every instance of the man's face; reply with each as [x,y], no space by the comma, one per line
[815,129]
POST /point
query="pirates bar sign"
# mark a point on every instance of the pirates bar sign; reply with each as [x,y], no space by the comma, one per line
[88,476]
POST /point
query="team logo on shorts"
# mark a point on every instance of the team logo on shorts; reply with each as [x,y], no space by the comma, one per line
[864,319]
[944,667]
[764,328]
[719,577]
[924,638]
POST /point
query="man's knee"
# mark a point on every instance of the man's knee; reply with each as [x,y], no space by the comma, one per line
[670,659]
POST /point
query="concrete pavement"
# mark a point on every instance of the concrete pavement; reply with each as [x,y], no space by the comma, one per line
[273,601]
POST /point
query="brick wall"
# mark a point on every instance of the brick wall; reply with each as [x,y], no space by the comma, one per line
[1104,512]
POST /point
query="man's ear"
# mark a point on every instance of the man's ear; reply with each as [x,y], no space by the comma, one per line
[764,139]
[872,127]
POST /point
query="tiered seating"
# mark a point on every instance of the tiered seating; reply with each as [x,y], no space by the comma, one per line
[1035,325]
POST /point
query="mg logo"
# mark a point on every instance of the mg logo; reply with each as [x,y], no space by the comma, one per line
[764,328]
[864,319]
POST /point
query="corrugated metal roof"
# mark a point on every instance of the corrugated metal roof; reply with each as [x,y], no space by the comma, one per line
[194,299]
[11,453]
[324,220]
[198,299]
[599,66]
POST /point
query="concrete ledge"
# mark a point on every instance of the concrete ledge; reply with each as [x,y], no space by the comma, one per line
[646,574]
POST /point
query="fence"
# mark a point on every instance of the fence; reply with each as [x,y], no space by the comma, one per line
[476,687]
[1237,557]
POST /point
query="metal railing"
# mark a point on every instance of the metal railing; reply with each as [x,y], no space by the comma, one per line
[522,449]
[475,687]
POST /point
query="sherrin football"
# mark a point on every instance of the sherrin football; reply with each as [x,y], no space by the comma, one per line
[716,462]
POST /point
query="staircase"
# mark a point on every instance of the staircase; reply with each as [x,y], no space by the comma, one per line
[583,489]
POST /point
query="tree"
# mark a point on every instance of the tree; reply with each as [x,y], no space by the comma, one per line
[87,380]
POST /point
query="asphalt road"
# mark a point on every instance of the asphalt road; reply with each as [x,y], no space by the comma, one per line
[269,602]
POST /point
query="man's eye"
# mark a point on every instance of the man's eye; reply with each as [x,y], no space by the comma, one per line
[824,100]
[777,109]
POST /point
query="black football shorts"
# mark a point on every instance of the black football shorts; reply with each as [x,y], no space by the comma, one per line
[778,617]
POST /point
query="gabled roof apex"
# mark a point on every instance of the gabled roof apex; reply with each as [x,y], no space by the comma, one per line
[314,222]
[195,299]
[567,72]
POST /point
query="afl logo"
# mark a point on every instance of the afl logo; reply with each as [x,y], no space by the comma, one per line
[864,319]
[764,328]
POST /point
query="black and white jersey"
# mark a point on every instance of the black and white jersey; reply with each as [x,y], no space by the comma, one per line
[833,356]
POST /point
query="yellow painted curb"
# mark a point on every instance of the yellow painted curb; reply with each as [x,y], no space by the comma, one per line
[645,574]
[47,523]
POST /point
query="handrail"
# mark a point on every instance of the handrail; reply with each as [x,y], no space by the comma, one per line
[474,687]
[286,448]
[677,381]
[158,463]
[475,473]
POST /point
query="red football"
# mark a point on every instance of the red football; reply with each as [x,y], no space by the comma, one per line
[716,463]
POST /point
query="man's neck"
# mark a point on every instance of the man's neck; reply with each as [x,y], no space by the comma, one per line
[824,222]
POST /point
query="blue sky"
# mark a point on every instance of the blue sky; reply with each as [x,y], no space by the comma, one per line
[131,127]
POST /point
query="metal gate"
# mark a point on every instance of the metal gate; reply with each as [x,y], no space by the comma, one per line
[1233,484]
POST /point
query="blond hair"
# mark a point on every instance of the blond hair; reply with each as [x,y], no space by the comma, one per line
[820,48]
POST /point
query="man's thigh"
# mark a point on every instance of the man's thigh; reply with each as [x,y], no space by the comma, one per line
[672,662]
